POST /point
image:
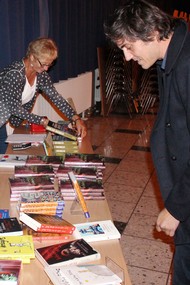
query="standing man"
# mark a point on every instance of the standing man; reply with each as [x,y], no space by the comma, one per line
[148,35]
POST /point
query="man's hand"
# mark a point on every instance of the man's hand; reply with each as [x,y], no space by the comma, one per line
[166,223]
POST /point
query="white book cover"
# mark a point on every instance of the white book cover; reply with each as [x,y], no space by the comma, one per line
[7,160]
[23,138]
[82,275]
[97,231]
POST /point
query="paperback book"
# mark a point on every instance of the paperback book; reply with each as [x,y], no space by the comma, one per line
[79,172]
[4,213]
[31,183]
[17,248]
[42,236]
[72,252]
[46,223]
[97,231]
[82,159]
[44,202]
[10,160]
[19,185]
[95,274]
[10,272]
[34,170]
[10,227]
[52,160]
[91,189]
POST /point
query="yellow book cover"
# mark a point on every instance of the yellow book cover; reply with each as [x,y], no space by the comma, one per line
[17,247]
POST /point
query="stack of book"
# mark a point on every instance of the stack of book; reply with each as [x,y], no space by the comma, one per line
[20,185]
[91,189]
[46,227]
[80,172]
[54,160]
[63,145]
[44,202]
[64,138]
[17,248]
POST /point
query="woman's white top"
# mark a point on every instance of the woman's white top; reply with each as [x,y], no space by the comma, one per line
[28,92]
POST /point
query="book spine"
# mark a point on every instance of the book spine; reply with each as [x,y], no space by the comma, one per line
[69,143]
[46,238]
[51,230]
[69,228]
[59,132]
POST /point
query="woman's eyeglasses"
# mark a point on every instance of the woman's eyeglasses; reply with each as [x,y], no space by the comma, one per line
[44,64]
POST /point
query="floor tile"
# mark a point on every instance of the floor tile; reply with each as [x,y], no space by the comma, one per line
[120,211]
[141,276]
[142,167]
[129,178]
[147,254]
[122,192]
[149,206]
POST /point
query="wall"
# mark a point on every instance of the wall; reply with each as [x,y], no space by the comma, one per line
[78,89]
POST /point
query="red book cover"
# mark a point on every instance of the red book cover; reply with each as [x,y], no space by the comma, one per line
[71,252]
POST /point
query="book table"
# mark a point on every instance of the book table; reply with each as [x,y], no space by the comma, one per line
[33,273]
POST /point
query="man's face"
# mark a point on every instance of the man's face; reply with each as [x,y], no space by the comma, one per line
[145,53]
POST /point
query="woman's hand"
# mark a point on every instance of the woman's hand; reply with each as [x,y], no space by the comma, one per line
[81,128]
[44,122]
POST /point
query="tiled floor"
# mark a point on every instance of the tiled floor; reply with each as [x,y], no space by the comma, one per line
[133,195]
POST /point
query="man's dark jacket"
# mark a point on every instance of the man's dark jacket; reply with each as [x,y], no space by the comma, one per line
[170,139]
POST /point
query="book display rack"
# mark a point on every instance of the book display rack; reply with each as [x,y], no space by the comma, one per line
[33,273]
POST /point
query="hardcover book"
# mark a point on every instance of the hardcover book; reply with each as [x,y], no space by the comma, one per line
[95,274]
[34,170]
[71,252]
[46,223]
[97,231]
[17,248]
[57,139]
[10,272]
[10,227]
[61,129]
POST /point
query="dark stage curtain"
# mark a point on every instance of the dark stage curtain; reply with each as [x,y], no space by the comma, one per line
[75,25]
